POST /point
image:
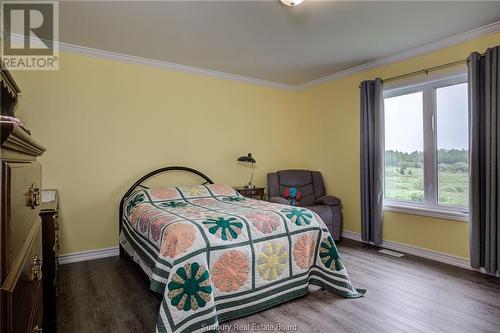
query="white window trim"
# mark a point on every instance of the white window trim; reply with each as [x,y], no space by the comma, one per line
[427,208]
[447,213]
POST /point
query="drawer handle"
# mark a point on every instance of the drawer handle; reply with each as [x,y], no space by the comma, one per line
[37,329]
[36,269]
[34,196]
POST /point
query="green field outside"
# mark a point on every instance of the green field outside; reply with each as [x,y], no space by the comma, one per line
[408,185]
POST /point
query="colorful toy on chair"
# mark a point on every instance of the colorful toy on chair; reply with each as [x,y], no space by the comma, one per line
[293,196]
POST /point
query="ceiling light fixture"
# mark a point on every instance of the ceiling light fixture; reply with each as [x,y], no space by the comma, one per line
[291,3]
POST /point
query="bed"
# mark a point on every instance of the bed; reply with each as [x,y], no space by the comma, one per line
[215,255]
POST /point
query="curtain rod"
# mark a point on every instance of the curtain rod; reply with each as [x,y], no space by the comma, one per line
[424,71]
[427,70]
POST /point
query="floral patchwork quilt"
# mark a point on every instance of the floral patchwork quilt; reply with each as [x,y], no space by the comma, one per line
[216,255]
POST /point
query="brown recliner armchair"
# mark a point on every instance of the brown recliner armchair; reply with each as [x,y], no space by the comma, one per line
[283,185]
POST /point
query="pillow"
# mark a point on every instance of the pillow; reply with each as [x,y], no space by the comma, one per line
[194,191]
[292,195]
[222,189]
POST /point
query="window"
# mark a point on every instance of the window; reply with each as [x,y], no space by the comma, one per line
[426,148]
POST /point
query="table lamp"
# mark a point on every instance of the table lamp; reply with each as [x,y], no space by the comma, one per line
[248,159]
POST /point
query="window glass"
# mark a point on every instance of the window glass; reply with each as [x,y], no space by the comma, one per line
[452,145]
[404,176]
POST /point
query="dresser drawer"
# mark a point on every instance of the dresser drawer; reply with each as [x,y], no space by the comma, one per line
[22,288]
[21,191]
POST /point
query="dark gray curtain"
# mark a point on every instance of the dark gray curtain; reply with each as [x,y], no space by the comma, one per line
[484,153]
[372,160]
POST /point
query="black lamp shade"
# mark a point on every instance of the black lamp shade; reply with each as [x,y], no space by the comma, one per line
[247,158]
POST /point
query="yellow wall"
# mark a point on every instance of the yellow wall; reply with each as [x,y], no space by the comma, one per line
[329,114]
[106,123]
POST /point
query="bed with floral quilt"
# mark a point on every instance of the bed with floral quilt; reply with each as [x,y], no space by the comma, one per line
[215,255]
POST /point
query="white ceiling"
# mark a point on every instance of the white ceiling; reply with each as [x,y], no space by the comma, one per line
[264,39]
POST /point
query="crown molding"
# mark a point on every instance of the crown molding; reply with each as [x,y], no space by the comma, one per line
[424,49]
[88,51]
[421,50]
[172,66]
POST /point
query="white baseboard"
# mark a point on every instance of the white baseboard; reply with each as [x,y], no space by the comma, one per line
[88,255]
[416,251]
[387,244]
[391,245]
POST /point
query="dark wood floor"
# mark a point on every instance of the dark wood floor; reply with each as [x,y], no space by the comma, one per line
[405,294]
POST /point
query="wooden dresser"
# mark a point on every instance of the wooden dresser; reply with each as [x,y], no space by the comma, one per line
[50,234]
[21,256]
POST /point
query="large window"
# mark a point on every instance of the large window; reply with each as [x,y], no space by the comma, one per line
[426,148]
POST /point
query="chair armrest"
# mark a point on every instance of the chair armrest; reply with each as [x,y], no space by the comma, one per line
[278,200]
[328,200]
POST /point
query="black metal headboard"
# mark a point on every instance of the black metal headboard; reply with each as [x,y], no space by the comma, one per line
[152,174]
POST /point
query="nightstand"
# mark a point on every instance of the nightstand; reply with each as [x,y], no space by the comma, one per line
[257,191]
